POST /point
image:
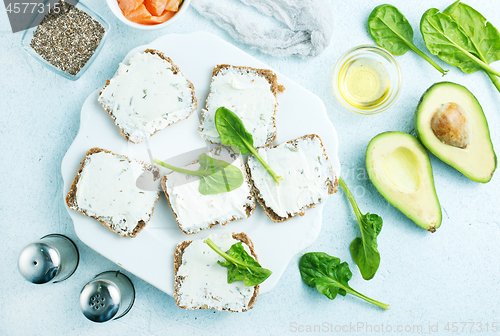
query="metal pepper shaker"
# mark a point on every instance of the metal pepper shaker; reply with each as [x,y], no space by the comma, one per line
[109,296]
[52,259]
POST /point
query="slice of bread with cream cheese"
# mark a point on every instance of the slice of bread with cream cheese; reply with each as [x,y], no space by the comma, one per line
[194,211]
[201,283]
[248,92]
[308,177]
[106,189]
[147,95]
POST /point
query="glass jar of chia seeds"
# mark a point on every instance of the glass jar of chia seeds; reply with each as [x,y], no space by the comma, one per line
[67,40]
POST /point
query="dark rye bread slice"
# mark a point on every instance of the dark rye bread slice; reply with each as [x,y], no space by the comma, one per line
[271,78]
[249,209]
[179,251]
[71,196]
[175,70]
[332,186]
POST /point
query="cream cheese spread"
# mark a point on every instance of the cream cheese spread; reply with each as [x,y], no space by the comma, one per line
[305,170]
[203,282]
[146,96]
[195,211]
[249,96]
[107,189]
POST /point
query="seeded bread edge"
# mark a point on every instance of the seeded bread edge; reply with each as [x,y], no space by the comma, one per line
[175,70]
[271,78]
[332,186]
[249,209]
[71,196]
[179,251]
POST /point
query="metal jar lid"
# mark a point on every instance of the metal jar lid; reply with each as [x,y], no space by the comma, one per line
[53,258]
[109,296]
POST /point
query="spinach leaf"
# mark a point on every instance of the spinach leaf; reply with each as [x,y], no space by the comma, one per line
[392,31]
[240,265]
[233,133]
[462,37]
[364,250]
[216,176]
[483,35]
[329,276]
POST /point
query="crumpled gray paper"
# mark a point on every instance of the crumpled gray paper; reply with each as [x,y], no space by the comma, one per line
[305,30]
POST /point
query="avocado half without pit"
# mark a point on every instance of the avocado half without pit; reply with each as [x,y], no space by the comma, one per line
[451,124]
[399,167]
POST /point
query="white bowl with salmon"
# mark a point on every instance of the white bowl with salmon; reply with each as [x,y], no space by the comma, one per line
[148,14]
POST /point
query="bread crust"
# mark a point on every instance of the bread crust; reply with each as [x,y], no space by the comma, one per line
[249,209]
[332,185]
[179,251]
[271,78]
[175,70]
[71,196]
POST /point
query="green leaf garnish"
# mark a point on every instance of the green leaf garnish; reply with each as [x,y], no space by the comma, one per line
[364,250]
[329,276]
[232,132]
[392,31]
[240,265]
[462,37]
[216,176]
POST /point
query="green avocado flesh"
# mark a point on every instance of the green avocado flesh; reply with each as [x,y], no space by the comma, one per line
[451,124]
[399,167]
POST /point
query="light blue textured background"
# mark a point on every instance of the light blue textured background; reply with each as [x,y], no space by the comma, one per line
[452,275]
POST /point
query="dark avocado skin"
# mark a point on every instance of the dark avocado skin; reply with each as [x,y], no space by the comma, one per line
[480,113]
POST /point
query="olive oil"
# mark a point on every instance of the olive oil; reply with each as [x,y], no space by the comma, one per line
[364,83]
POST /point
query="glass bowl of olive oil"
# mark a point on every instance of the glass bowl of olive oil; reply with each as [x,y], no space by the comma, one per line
[367,79]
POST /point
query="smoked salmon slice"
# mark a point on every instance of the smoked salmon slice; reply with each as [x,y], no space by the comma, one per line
[128,6]
[155,7]
[149,12]
[173,5]
[167,15]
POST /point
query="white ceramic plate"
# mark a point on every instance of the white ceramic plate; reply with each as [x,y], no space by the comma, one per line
[150,255]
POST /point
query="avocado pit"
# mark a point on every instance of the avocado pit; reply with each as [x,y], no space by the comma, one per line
[450,126]
[446,129]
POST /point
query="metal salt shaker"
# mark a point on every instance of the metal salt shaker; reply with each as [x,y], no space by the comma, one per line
[52,259]
[109,296]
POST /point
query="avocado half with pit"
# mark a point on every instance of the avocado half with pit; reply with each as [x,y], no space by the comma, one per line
[399,167]
[451,124]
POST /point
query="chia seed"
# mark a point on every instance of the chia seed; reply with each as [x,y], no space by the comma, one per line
[67,39]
